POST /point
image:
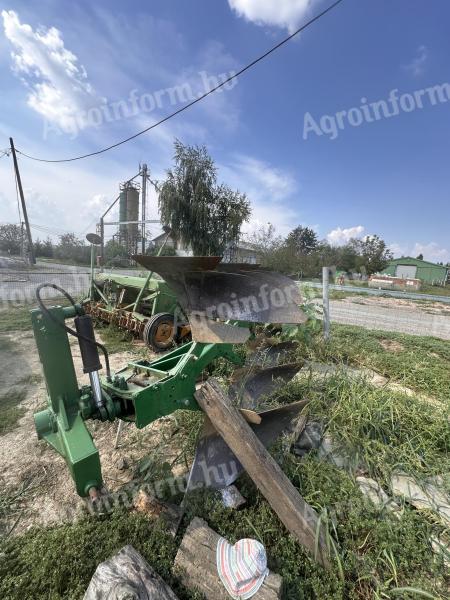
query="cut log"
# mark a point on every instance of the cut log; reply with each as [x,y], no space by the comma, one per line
[127,576]
[296,514]
[196,565]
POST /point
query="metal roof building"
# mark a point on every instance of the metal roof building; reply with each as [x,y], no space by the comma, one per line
[414,268]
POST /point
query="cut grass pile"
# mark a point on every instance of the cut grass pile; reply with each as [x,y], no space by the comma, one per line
[375,555]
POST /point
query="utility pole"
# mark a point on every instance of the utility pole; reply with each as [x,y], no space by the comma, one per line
[102,244]
[144,204]
[22,200]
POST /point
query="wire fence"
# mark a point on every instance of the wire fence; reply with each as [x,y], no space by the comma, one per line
[19,287]
[418,315]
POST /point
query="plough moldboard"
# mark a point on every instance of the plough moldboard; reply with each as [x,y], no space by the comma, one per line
[145,390]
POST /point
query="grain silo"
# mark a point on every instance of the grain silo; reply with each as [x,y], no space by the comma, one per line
[128,233]
[123,211]
[132,213]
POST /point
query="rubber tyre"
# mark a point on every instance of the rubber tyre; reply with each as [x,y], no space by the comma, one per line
[158,332]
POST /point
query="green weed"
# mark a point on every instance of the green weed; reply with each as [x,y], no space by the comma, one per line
[115,339]
[420,363]
[15,318]
[10,412]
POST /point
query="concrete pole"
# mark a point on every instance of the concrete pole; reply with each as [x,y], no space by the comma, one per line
[102,245]
[326,302]
[24,206]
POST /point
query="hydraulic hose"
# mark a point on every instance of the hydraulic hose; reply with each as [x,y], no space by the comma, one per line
[79,336]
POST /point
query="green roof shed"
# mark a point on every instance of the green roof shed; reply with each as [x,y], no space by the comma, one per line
[414,268]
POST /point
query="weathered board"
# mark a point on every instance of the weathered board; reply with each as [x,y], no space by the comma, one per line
[196,565]
[296,514]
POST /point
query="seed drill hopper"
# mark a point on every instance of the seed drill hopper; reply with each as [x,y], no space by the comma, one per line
[221,301]
[144,306]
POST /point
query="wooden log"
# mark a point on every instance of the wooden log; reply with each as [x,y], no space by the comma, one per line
[196,565]
[296,514]
[127,576]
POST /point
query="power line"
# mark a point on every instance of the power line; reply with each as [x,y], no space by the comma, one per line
[52,230]
[199,99]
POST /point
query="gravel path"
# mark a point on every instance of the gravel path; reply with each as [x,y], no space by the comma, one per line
[402,320]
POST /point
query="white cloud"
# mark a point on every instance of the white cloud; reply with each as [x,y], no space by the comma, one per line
[282,13]
[271,183]
[431,251]
[270,190]
[398,250]
[417,65]
[339,237]
[59,89]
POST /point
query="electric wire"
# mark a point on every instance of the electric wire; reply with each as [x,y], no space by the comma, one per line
[197,100]
[53,230]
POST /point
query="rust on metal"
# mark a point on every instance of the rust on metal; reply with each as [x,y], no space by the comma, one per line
[123,319]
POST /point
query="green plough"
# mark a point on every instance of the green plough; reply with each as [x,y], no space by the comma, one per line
[220,301]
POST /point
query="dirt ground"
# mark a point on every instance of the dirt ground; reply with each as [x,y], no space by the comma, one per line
[435,308]
[33,470]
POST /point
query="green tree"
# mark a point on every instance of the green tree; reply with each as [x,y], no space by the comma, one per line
[420,257]
[167,251]
[114,250]
[10,239]
[373,253]
[302,241]
[201,214]
[72,249]
[43,248]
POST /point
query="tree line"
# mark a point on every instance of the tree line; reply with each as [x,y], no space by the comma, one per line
[67,248]
[301,253]
[207,216]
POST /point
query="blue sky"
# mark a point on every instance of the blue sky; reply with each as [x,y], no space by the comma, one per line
[299,133]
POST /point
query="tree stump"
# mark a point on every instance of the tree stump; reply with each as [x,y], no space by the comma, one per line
[196,565]
[127,576]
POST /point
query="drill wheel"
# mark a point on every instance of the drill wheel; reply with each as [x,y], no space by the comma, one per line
[159,332]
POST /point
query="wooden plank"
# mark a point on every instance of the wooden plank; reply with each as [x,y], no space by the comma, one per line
[196,565]
[127,576]
[296,514]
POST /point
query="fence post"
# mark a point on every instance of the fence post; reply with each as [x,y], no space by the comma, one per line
[326,302]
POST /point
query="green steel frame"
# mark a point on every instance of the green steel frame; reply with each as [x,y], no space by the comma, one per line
[141,392]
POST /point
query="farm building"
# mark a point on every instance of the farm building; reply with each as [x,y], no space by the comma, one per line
[414,268]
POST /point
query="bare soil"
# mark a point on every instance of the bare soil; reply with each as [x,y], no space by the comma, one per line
[437,308]
[392,345]
[32,470]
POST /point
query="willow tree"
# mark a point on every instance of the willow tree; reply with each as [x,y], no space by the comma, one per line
[200,212]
